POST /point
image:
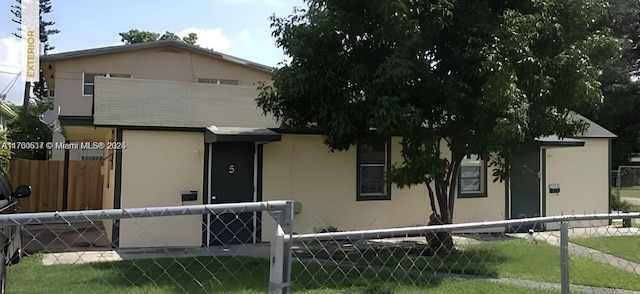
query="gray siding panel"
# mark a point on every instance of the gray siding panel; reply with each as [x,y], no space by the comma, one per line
[153,103]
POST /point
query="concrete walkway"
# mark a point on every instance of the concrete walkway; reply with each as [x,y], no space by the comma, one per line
[78,257]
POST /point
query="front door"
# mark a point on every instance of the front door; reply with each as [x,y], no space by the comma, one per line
[232,181]
[525,184]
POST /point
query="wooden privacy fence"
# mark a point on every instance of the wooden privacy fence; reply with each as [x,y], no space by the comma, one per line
[47,184]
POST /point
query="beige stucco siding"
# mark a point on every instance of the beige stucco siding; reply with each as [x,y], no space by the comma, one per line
[156,166]
[582,173]
[489,208]
[155,64]
[301,168]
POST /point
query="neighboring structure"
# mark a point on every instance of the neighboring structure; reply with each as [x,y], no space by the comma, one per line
[6,113]
[182,128]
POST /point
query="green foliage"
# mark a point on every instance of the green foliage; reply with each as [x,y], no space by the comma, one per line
[5,152]
[473,77]
[29,128]
[621,94]
[618,204]
[191,39]
[136,36]
[169,36]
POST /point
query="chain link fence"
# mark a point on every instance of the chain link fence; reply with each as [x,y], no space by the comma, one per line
[250,248]
[186,249]
[579,253]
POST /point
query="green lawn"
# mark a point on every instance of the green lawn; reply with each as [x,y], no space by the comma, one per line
[375,271]
[515,259]
[208,275]
[626,247]
[633,193]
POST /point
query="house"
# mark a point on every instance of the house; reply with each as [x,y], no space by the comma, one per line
[180,127]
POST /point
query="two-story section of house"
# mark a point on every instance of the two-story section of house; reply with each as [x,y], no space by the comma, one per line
[144,109]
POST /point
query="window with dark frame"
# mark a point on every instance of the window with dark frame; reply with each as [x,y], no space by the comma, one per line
[373,166]
[88,81]
[472,177]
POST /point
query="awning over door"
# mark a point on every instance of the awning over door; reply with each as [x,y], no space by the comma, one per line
[231,134]
[555,141]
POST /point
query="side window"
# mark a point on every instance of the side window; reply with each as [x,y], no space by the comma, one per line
[88,80]
[373,166]
[472,177]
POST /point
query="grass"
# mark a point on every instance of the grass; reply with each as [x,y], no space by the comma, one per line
[626,247]
[194,275]
[514,258]
[409,270]
[630,193]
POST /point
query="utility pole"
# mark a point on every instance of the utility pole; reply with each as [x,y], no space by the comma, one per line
[25,101]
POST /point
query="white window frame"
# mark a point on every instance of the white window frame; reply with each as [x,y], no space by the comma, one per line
[473,160]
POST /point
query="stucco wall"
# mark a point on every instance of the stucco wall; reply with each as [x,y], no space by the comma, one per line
[156,166]
[583,175]
[154,64]
[301,168]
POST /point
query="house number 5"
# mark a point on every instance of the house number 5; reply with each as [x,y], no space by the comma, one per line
[232,168]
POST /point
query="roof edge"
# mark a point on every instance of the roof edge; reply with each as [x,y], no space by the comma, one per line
[150,45]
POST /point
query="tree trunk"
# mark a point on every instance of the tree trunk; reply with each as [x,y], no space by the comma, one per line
[441,242]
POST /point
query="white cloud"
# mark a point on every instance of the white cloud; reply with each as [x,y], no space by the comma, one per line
[10,65]
[213,39]
[10,49]
[245,38]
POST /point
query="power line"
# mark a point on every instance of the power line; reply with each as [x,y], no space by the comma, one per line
[10,85]
[8,72]
[11,65]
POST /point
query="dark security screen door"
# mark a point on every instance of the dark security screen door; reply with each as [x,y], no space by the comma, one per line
[525,184]
[232,173]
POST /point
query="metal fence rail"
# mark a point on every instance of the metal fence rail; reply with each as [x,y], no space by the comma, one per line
[184,249]
[250,248]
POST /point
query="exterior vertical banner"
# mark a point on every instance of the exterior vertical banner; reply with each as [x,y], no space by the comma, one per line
[30,30]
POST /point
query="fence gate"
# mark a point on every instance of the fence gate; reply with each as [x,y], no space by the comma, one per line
[46,178]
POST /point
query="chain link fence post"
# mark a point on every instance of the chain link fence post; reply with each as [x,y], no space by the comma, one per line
[564,257]
[280,276]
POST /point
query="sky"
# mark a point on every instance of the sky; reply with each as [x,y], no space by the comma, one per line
[240,28]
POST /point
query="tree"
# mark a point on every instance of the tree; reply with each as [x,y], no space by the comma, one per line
[191,39]
[29,129]
[136,36]
[45,32]
[5,152]
[621,94]
[170,36]
[39,88]
[473,77]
